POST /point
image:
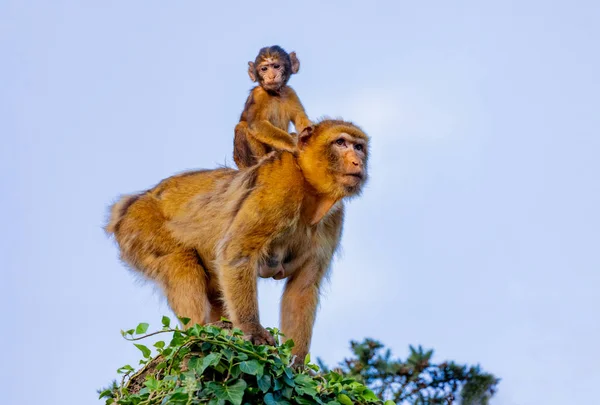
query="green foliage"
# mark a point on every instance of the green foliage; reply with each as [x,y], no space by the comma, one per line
[416,380]
[209,365]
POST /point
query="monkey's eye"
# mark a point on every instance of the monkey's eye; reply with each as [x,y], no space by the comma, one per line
[358,147]
[276,66]
[340,141]
[263,69]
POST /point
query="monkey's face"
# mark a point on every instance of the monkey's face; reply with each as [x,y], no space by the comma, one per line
[273,67]
[348,160]
[272,74]
[334,159]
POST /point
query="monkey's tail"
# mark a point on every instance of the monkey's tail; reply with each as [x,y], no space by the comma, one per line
[118,211]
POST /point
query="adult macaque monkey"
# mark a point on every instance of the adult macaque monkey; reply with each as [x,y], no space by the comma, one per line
[206,236]
[269,109]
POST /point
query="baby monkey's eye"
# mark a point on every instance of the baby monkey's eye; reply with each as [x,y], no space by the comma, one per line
[277,66]
[264,68]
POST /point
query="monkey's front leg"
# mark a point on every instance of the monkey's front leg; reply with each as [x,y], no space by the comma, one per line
[238,279]
[268,134]
[299,307]
[301,121]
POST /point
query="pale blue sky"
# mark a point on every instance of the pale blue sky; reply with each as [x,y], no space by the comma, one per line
[478,235]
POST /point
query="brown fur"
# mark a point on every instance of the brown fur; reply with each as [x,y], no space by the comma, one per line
[269,109]
[206,236]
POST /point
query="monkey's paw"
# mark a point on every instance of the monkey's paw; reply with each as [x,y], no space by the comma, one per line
[256,334]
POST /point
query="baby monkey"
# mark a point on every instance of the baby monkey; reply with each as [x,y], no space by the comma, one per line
[270,108]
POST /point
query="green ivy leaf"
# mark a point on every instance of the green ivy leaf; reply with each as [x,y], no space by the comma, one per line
[303,401]
[389,402]
[235,371]
[370,396]
[166,321]
[105,393]
[307,359]
[152,383]
[276,361]
[125,368]
[178,339]
[306,390]
[287,392]
[179,396]
[270,400]
[288,381]
[303,379]
[145,351]
[141,328]
[252,367]
[195,330]
[344,399]
[264,382]
[205,362]
[228,354]
[212,330]
[183,351]
[194,362]
[232,393]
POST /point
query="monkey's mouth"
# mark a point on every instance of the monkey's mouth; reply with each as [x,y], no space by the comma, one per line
[351,179]
[274,85]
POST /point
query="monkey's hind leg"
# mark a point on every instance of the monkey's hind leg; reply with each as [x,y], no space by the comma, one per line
[217,309]
[185,285]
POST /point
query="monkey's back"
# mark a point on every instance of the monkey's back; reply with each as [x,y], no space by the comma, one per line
[271,189]
[139,222]
[176,192]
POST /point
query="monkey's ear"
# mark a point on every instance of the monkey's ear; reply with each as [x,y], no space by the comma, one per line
[295,62]
[251,71]
[305,136]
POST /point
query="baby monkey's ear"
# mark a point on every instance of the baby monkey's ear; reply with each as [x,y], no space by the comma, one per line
[252,71]
[295,62]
